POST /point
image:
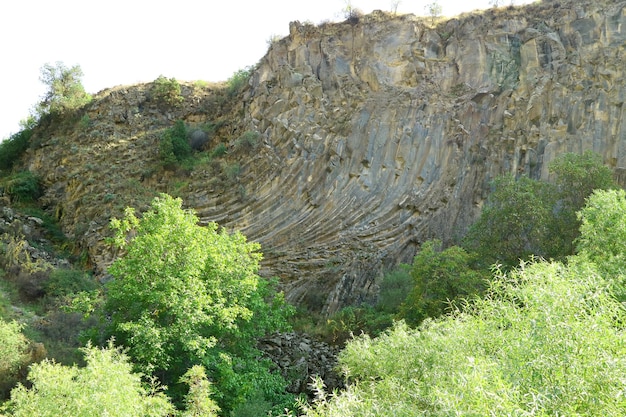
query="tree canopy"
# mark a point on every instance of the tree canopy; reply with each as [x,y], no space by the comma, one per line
[523,217]
[65,89]
[185,294]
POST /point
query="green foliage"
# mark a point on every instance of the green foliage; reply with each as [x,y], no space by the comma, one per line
[576,176]
[13,346]
[105,387]
[64,281]
[603,226]
[349,321]
[21,187]
[514,223]
[184,294]
[85,122]
[441,278]
[166,91]
[13,356]
[232,171]
[524,217]
[174,147]
[394,288]
[547,340]
[14,147]
[238,81]
[249,140]
[220,150]
[603,236]
[198,402]
[65,90]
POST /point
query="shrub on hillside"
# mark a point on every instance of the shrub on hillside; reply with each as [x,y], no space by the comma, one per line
[173,146]
[13,354]
[524,217]
[441,277]
[249,140]
[65,281]
[548,340]
[166,91]
[21,187]
[238,81]
[13,148]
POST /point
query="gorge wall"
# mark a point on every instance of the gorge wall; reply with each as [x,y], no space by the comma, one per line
[373,136]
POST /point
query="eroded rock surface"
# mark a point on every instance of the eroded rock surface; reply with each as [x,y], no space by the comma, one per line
[374,137]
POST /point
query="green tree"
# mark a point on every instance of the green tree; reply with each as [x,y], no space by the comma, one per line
[186,294]
[603,236]
[440,278]
[238,81]
[514,223]
[433,9]
[524,217]
[12,347]
[65,89]
[13,148]
[105,387]
[576,177]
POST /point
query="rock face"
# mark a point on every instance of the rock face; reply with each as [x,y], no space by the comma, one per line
[379,134]
[299,359]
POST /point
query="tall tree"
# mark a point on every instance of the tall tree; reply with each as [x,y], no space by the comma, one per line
[65,89]
[186,294]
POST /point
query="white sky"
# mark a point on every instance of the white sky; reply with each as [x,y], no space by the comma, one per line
[121,42]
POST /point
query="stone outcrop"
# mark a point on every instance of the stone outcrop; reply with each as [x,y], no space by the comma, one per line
[373,137]
[300,359]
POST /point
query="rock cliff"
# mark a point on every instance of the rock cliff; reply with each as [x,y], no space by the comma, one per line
[374,135]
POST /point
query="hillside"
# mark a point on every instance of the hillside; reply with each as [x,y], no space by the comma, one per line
[353,142]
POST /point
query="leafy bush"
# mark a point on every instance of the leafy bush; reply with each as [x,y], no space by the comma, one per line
[198,402]
[166,91]
[21,187]
[514,223]
[13,148]
[349,321]
[238,81]
[249,140]
[63,281]
[174,147]
[13,348]
[220,150]
[524,217]
[548,340]
[232,171]
[394,288]
[576,177]
[106,386]
[440,278]
[603,236]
